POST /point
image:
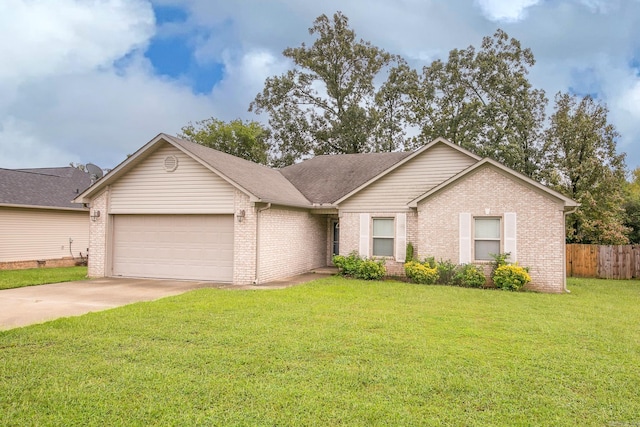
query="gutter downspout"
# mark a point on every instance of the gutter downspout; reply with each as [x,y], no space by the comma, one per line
[257,278]
[564,253]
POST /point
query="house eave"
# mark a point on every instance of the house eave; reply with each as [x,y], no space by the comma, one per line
[53,208]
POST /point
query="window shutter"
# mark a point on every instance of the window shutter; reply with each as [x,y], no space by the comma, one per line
[401,237]
[363,248]
[465,238]
[510,235]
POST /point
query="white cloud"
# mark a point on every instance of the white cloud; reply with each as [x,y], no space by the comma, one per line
[42,37]
[505,10]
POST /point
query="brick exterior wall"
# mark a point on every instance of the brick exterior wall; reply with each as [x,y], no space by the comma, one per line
[350,236]
[540,223]
[292,241]
[98,235]
[244,242]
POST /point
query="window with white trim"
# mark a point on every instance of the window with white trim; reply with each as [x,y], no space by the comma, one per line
[486,238]
[383,237]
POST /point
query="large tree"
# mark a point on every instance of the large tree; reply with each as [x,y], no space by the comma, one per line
[583,164]
[329,103]
[483,101]
[632,207]
[249,140]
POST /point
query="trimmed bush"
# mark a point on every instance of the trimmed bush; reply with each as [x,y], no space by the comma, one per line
[421,272]
[354,266]
[469,276]
[511,277]
[371,270]
[446,272]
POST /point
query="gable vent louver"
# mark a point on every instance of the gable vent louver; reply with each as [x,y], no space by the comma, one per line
[170,163]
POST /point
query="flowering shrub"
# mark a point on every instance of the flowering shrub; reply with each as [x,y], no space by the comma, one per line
[421,272]
[511,277]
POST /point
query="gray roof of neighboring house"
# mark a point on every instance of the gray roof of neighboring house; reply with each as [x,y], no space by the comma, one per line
[48,187]
[261,181]
[325,179]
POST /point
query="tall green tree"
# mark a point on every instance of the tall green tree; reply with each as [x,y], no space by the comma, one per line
[583,164]
[249,140]
[328,103]
[632,207]
[483,101]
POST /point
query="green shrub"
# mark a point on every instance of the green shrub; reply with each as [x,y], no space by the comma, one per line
[446,272]
[511,277]
[370,270]
[498,261]
[469,276]
[354,266]
[409,255]
[421,272]
[430,262]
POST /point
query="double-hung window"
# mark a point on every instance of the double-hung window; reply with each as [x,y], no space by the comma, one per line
[487,238]
[383,237]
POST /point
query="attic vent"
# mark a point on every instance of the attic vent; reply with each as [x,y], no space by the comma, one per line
[170,163]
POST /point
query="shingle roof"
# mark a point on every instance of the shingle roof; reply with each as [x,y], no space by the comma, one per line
[325,179]
[51,187]
[261,181]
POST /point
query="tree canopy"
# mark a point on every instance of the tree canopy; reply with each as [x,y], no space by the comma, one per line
[483,101]
[328,103]
[580,151]
[249,140]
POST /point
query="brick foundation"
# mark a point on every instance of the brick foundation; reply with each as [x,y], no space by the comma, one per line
[47,263]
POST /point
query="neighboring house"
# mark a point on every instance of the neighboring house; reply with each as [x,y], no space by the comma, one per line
[176,209]
[39,224]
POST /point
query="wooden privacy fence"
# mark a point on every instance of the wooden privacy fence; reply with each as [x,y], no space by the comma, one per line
[603,261]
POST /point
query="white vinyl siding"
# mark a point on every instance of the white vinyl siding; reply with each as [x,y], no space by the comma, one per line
[41,234]
[487,237]
[414,178]
[189,189]
[195,247]
[383,237]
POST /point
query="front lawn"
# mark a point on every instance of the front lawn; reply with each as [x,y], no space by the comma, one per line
[40,276]
[335,352]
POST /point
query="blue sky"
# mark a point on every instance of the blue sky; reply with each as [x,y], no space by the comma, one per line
[94,81]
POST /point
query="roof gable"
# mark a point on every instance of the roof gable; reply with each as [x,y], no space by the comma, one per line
[260,183]
[406,160]
[486,162]
[42,187]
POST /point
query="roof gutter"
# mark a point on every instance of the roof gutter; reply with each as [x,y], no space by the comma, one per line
[54,208]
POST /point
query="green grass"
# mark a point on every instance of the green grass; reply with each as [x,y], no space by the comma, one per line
[335,352]
[39,276]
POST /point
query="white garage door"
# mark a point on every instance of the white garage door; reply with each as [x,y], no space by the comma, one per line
[197,247]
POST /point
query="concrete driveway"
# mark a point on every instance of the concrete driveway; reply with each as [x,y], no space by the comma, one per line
[37,304]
